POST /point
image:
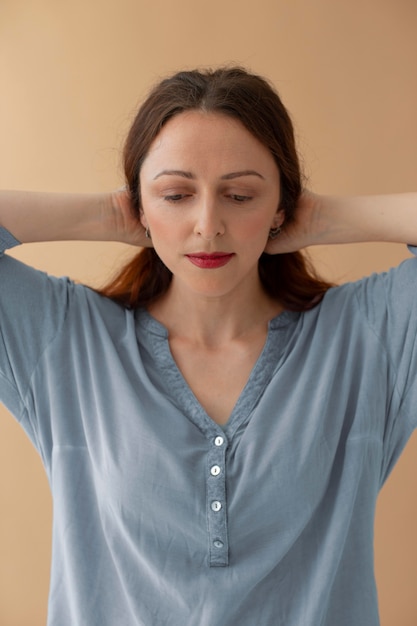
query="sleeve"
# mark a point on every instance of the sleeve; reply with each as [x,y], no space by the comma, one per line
[7,240]
[389,303]
[33,308]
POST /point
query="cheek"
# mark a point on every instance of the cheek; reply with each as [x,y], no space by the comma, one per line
[162,224]
[151,216]
[166,230]
[256,229]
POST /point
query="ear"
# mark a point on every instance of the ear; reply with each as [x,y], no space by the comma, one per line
[143,219]
[278,219]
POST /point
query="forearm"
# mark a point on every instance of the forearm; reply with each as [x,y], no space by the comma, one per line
[390,218]
[38,216]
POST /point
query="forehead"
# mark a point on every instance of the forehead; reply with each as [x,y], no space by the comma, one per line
[200,137]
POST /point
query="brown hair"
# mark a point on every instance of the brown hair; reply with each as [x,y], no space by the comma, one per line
[249,98]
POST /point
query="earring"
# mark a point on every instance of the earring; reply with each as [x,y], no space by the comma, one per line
[147,233]
[274,232]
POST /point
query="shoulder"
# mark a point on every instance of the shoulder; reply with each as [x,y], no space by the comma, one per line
[394,287]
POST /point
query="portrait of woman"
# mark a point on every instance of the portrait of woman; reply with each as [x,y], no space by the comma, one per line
[217,418]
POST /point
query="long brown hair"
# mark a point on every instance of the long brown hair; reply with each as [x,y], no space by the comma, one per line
[249,98]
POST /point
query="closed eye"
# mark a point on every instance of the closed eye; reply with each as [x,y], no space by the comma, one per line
[175,197]
[238,198]
[178,197]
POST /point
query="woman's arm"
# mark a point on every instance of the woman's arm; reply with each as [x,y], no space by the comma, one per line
[322,220]
[38,216]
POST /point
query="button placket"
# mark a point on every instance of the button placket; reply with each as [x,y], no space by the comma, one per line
[216,503]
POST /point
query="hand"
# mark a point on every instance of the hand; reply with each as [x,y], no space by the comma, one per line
[127,224]
[304,230]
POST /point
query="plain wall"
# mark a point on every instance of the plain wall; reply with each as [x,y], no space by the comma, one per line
[71,75]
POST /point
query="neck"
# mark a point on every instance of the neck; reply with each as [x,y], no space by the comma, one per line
[213,321]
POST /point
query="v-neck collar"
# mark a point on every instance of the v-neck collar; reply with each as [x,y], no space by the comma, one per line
[157,336]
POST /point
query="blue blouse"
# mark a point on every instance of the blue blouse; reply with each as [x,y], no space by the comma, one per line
[161,517]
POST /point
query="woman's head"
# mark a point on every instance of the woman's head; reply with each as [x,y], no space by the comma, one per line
[249,99]
[230,91]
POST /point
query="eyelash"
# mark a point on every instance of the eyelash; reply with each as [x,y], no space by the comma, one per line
[239,198]
[174,198]
[177,197]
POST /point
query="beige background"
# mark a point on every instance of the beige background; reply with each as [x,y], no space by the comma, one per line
[71,74]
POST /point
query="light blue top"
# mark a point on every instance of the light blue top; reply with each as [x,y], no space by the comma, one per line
[161,518]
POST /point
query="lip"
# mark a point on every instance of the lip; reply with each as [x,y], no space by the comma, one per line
[209,261]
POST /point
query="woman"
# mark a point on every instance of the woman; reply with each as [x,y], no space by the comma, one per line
[216,423]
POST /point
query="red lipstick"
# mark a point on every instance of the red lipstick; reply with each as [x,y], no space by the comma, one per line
[209,261]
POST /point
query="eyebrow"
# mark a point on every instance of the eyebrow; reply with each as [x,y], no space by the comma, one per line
[190,175]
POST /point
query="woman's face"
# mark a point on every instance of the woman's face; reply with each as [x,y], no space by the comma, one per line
[210,193]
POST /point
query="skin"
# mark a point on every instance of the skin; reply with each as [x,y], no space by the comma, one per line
[216,319]
[225,199]
[209,186]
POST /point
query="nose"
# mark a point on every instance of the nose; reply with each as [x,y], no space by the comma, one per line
[209,222]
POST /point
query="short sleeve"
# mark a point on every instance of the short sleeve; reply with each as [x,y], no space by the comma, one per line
[389,303]
[33,307]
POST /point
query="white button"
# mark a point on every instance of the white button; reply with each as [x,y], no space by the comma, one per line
[218,544]
[216,506]
[215,470]
[219,441]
